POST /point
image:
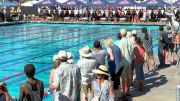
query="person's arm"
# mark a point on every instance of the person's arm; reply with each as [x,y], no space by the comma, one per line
[111,92]
[8,98]
[56,79]
[110,55]
[42,90]
[51,77]
[22,93]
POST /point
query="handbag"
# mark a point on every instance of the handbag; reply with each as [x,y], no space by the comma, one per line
[97,98]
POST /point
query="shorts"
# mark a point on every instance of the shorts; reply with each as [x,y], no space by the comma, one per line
[150,55]
[126,73]
[116,78]
[171,47]
[139,71]
[85,88]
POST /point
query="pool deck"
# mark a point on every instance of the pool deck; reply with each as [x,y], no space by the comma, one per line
[85,22]
[159,85]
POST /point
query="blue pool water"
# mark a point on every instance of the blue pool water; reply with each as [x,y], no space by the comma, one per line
[37,43]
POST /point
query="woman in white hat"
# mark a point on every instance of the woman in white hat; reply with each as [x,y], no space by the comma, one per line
[56,61]
[101,88]
[56,65]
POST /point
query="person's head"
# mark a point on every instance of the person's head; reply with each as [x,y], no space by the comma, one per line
[101,72]
[123,32]
[138,41]
[134,33]
[168,28]
[62,56]
[161,28]
[129,34]
[3,86]
[97,44]
[85,52]
[70,57]
[56,61]
[108,42]
[119,36]
[29,70]
[144,30]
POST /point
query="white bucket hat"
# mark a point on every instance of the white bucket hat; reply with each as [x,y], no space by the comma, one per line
[62,54]
[55,57]
[70,57]
[134,32]
[129,34]
[101,70]
[85,51]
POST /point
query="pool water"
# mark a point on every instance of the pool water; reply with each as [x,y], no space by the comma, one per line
[37,43]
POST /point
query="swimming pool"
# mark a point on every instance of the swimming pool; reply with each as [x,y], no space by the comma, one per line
[37,43]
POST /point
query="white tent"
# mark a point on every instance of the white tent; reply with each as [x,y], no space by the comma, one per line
[30,3]
[170,1]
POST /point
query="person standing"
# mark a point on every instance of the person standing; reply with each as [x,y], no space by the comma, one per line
[127,53]
[161,52]
[115,65]
[33,89]
[101,87]
[139,54]
[56,65]
[66,77]
[86,64]
[4,94]
[98,53]
[147,43]
[165,41]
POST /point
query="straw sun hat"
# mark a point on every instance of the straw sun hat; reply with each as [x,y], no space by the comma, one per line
[101,70]
[85,51]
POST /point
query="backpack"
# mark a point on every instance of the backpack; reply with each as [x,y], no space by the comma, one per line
[33,95]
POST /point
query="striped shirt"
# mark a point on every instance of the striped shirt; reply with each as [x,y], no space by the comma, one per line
[147,43]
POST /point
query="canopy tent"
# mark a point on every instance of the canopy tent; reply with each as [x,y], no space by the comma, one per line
[68,3]
[159,3]
[7,3]
[85,2]
[177,3]
[30,3]
[119,3]
[46,3]
[98,3]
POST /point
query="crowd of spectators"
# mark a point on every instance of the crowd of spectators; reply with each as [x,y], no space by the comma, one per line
[106,14]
